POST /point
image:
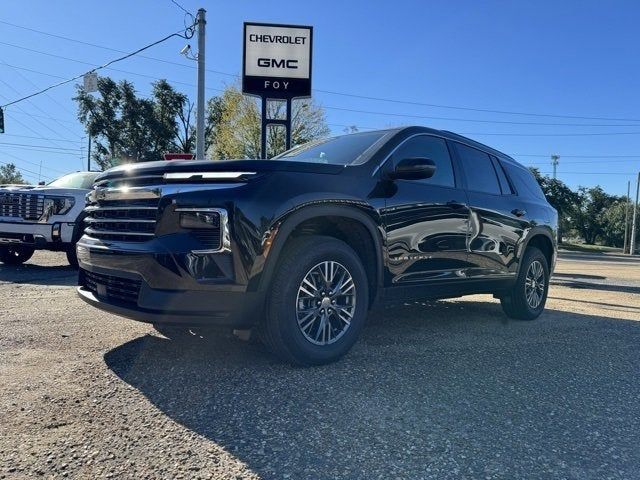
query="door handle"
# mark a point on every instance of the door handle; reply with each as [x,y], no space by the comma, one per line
[519,212]
[455,205]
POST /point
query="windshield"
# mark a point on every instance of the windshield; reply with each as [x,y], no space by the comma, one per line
[82,180]
[342,150]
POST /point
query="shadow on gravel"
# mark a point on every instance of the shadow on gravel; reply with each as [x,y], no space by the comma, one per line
[39,274]
[443,390]
[606,287]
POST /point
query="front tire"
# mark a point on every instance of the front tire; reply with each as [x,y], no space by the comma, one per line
[318,302]
[72,256]
[15,255]
[528,296]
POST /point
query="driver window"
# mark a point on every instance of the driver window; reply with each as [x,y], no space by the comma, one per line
[433,148]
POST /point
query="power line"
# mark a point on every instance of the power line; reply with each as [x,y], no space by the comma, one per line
[32,163]
[39,146]
[346,94]
[472,120]
[89,44]
[40,138]
[368,112]
[188,34]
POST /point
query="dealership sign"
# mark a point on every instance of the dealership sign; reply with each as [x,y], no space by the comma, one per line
[277,60]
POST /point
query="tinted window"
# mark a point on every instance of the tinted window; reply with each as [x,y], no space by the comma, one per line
[478,170]
[524,181]
[342,150]
[433,148]
[502,178]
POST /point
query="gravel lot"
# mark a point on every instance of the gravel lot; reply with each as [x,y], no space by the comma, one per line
[449,389]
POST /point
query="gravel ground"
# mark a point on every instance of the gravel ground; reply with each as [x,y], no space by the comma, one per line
[448,389]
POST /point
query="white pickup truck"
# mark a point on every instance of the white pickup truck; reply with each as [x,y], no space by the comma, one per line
[47,217]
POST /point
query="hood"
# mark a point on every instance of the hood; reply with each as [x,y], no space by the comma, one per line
[41,190]
[258,166]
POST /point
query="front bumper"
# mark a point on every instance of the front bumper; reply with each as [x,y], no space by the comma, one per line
[36,235]
[162,282]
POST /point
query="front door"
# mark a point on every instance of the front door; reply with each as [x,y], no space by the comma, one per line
[425,220]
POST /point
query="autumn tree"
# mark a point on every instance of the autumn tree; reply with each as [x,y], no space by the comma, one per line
[234,125]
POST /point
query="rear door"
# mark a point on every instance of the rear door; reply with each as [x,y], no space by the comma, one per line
[426,220]
[497,221]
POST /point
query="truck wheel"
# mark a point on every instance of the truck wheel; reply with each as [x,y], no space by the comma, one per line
[15,255]
[78,230]
[318,302]
[72,256]
[529,294]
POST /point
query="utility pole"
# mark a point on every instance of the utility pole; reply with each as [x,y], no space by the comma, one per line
[626,216]
[632,246]
[200,20]
[554,162]
[89,155]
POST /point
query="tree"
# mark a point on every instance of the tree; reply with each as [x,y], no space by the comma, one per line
[561,197]
[233,125]
[10,174]
[127,128]
[591,212]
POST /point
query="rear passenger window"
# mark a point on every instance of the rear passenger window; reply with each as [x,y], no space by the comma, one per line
[478,170]
[502,178]
[524,181]
[433,148]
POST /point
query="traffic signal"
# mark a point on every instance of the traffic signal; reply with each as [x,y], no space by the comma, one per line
[1,120]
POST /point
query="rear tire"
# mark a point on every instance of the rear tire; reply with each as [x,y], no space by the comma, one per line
[528,296]
[15,255]
[309,320]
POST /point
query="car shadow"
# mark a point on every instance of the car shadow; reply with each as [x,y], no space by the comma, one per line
[28,273]
[444,390]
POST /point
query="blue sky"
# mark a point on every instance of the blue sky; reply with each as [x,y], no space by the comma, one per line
[571,58]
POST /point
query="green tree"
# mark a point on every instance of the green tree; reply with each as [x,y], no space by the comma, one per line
[613,222]
[590,218]
[128,128]
[561,197]
[10,174]
[234,125]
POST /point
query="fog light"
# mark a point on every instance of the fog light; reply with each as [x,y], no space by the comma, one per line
[199,220]
[55,232]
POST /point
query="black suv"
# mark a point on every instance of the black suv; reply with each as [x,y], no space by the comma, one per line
[301,246]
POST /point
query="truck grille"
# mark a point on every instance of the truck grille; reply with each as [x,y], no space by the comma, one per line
[118,288]
[28,206]
[122,220]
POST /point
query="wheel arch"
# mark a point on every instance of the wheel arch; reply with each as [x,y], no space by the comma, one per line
[542,239]
[347,223]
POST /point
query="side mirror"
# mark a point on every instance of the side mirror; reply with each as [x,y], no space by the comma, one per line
[415,168]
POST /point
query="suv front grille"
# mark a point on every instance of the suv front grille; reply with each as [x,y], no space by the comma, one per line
[108,286]
[28,206]
[122,220]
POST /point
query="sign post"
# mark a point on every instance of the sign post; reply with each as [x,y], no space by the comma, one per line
[276,66]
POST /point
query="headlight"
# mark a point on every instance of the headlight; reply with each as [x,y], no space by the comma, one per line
[199,220]
[58,205]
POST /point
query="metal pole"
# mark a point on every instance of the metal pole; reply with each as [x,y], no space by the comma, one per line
[263,130]
[554,162]
[200,109]
[288,126]
[89,155]
[626,216]
[632,246]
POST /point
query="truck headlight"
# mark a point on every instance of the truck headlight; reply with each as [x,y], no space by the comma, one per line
[58,205]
